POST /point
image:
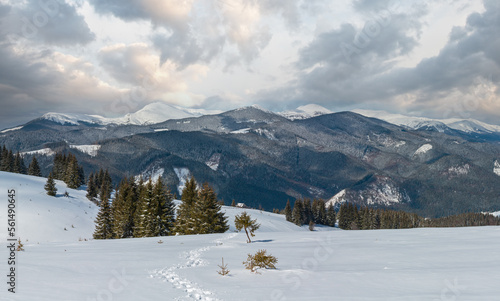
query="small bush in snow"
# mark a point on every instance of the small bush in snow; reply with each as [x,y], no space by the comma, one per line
[260,260]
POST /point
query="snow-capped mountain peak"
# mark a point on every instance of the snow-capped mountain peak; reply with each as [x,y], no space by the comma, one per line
[306,111]
[441,125]
[150,114]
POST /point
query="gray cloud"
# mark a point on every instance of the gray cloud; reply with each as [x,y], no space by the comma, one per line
[362,74]
[34,82]
[49,22]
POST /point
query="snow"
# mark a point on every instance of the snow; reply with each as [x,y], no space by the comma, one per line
[42,218]
[241,131]
[154,174]
[336,199]
[40,152]
[304,112]
[183,175]
[214,161]
[465,125]
[459,170]
[496,167]
[11,129]
[90,150]
[152,113]
[414,264]
[423,149]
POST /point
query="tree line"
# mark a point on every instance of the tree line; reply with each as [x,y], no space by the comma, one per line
[10,162]
[140,209]
[305,212]
[350,217]
[67,169]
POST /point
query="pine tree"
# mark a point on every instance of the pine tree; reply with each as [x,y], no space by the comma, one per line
[207,213]
[330,216]
[162,210]
[124,210]
[118,210]
[297,213]
[104,223]
[143,221]
[343,216]
[185,222]
[59,168]
[92,189]
[288,211]
[34,168]
[72,174]
[243,221]
[50,186]
[7,161]
[19,166]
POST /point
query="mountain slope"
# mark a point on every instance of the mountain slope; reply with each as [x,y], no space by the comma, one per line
[440,125]
[150,114]
[263,159]
[42,218]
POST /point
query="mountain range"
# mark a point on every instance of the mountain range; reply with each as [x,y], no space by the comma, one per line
[262,158]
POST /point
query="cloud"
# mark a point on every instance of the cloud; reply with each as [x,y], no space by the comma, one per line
[172,13]
[32,82]
[189,32]
[138,67]
[351,67]
[50,22]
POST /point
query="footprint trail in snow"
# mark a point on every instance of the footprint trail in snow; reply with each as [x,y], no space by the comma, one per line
[192,260]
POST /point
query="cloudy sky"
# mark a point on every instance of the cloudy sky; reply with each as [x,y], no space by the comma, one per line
[426,58]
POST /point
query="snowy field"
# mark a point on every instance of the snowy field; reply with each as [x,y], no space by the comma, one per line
[329,264]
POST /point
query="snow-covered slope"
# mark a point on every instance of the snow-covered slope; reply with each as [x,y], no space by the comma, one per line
[304,112]
[43,218]
[496,167]
[464,125]
[150,114]
[416,264]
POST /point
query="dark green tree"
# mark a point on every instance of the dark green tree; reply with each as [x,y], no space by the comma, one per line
[104,222]
[34,168]
[19,166]
[72,174]
[244,221]
[330,216]
[185,222]
[297,213]
[92,189]
[208,215]
[143,222]
[162,210]
[50,186]
[288,211]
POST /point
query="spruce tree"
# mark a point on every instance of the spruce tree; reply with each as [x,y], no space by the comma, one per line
[330,216]
[162,210]
[59,168]
[19,166]
[185,221]
[34,168]
[7,161]
[143,221]
[288,211]
[123,209]
[92,189]
[72,174]
[297,215]
[207,213]
[243,221]
[50,186]
[104,223]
